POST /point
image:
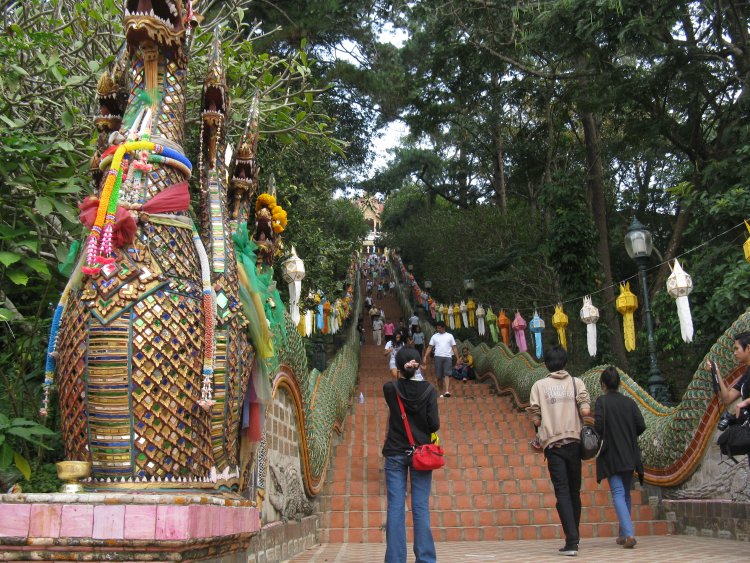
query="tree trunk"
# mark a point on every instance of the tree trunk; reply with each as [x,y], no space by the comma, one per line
[599,209]
[499,181]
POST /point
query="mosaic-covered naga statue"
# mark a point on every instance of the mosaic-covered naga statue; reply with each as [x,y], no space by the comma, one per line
[149,346]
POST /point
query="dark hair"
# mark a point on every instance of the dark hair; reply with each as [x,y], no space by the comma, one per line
[610,378]
[417,328]
[403,357]
[743,338]
[439,324]
[555,358]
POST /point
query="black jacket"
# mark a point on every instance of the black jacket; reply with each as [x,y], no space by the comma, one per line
[420,404]
[624,423]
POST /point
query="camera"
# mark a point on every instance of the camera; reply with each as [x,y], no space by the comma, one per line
[728,419]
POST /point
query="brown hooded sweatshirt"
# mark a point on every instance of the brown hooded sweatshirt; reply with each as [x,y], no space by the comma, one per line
[552,407]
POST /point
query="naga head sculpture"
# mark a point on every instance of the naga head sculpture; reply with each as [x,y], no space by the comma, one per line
[215,99]
[163,22]
[246,169]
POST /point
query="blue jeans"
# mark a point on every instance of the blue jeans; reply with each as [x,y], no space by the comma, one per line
[619,485]
[396,469]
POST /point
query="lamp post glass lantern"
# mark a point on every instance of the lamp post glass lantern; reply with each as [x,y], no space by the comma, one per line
[427,284]
[638,245]
[410,267]
[469,285]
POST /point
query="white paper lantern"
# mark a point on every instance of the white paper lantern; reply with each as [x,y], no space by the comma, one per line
[293,271]
[589,315]
[679,286]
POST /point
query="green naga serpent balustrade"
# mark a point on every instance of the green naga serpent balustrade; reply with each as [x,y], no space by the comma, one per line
[676,438]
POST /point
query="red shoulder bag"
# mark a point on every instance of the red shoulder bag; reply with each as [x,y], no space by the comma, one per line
[427,457]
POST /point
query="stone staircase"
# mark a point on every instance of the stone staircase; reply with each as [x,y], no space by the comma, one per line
[493,487]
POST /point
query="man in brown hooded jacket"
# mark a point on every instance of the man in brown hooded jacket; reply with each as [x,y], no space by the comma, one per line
[555,404]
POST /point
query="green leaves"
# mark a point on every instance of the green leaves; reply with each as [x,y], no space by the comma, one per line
[26,431]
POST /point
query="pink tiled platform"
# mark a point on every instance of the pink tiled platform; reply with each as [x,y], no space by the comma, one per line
[128,521]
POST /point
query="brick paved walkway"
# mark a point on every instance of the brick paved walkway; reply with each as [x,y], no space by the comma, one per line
[654,549]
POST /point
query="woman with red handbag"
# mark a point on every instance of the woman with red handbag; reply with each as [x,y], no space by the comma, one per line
[418,401]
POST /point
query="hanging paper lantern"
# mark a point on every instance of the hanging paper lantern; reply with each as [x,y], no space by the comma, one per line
[519,331]
[464,313]
[679,286]
[626,304]
[503,323]
[480,320]
[309,322]
[537,326]
[293,272]
[457,315]
[746,246]
[433,307]
[560,322]
[451,320]
[492,323]
[471,306]
[589,315]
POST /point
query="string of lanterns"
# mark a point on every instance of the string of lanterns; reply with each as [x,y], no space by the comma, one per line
[679,285]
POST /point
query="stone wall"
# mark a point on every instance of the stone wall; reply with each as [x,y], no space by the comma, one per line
[278,541]
[710,518]
[715,478]
[283,457]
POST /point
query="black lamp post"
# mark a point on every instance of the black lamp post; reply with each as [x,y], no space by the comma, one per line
[638,245]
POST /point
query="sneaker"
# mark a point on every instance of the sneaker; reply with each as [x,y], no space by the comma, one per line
[629,543]
[620,541]
[464,380]
[569,550]
[446,394]
[442,396]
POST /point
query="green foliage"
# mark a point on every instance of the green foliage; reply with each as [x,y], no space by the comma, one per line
[13,430]
[51,54]
[43,480]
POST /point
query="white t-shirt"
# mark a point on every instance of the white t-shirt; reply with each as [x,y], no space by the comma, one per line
[442,344]
[394,351]
[377,324]
[414,320]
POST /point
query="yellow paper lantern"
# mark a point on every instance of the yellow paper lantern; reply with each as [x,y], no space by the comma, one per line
[746,246]
[626,304]
[560,322]
[472,307]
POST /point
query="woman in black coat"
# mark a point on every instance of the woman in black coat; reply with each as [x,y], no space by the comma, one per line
[619,422]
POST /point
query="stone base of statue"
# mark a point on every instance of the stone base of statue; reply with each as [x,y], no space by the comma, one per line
[124,526]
